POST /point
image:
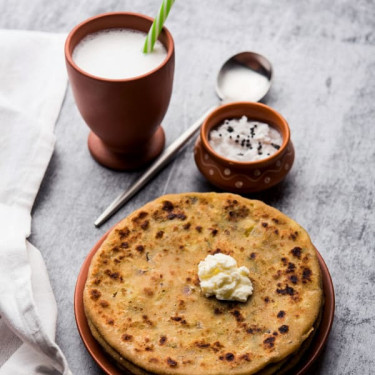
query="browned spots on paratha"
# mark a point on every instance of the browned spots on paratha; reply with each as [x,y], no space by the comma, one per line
[229,357]
[293,279]
[167,206]
[140,248]
[238,316]
[104,303]
[245,357]
[269,342]
[284,328]
[168,317]
[187,226]
[202,344]
[159,234]
[123,233]
[126,337]
[306,275]
[148,292]
[95,294]
[296,251]
[114,275]
[171,362]
[288,290]
[235,211]
[146,320]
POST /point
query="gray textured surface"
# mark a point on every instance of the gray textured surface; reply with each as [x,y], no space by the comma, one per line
[324,60]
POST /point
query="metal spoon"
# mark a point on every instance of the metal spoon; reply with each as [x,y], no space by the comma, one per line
[245,76]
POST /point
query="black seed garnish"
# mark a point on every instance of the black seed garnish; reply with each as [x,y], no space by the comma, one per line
[281,314]
[230,129]
[275,146]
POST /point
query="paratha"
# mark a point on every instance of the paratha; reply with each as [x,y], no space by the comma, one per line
[143,301]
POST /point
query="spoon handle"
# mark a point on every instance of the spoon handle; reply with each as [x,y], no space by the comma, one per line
[165,157]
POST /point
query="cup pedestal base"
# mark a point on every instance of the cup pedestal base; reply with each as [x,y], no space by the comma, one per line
[125,161]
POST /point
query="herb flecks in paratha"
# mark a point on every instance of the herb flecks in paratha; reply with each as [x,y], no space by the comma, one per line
[144,304]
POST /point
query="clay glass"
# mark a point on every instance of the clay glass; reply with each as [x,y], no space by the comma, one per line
[124,115]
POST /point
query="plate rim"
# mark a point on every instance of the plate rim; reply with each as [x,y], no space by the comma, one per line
[106,363]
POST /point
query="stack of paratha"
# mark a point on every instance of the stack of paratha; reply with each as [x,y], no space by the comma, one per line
[144,304]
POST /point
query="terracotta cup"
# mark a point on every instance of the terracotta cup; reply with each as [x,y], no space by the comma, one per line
[244,177]
[123,114]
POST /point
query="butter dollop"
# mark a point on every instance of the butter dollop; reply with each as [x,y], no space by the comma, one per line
[219,276]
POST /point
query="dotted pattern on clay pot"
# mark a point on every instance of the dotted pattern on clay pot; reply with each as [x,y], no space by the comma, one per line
[238,181]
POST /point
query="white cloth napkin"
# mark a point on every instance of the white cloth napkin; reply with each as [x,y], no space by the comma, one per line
[32,88]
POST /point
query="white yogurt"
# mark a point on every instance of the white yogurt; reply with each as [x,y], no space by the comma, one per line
[117,54]
[245,140]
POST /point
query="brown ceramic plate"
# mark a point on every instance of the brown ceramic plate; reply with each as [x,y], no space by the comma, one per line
[107,364]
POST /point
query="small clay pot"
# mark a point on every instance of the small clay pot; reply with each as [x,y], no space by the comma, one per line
[123,114]
[244,177]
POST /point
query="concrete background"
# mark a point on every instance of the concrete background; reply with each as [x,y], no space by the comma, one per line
[323,53]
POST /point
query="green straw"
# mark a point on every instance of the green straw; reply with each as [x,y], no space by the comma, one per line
[157,25]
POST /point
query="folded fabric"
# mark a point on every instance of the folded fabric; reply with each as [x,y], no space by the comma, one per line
[32,87]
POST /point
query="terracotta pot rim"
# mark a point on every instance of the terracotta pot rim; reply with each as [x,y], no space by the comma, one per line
[210,123]
[69,58]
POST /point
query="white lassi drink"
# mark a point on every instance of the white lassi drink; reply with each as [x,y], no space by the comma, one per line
[117,54]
